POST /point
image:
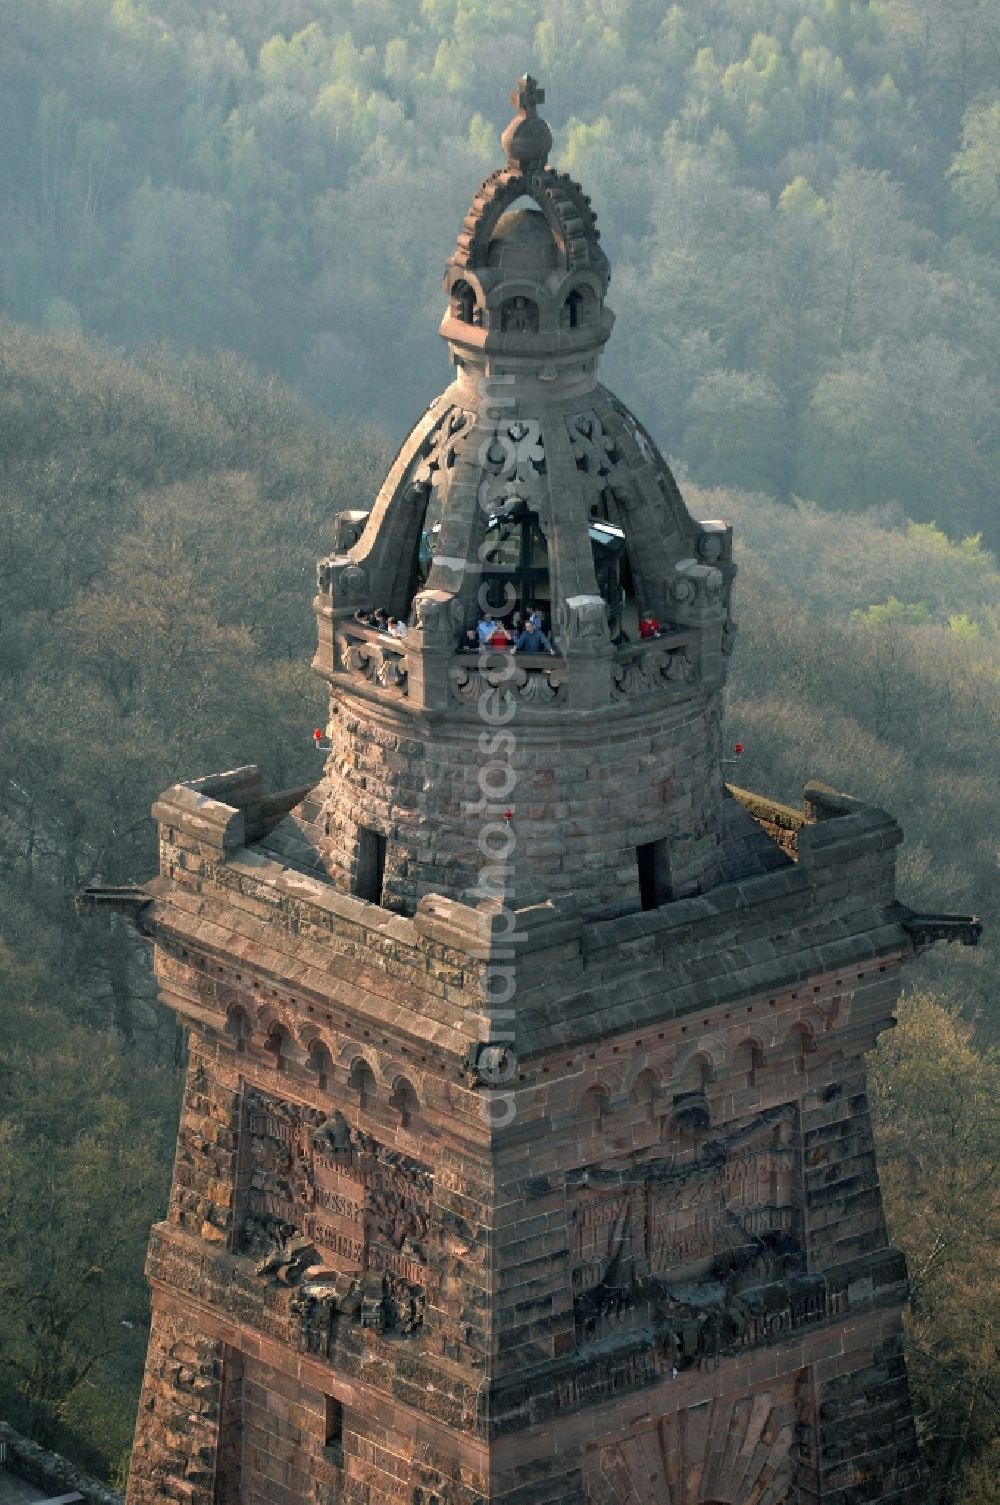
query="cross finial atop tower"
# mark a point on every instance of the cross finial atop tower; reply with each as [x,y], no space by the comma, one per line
[527,139]
[527,96]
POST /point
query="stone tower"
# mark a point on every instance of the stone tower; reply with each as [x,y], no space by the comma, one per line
[525,1154]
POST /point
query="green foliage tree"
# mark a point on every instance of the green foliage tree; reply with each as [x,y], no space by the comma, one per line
[976,168]
[798,195]
[934,1097]
[83,1171]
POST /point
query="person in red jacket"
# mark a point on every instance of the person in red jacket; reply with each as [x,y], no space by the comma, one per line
[649,627]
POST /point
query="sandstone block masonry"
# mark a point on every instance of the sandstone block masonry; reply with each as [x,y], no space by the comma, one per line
[525,1155]
[670,1264]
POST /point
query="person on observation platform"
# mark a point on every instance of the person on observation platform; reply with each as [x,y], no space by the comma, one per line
[500,637]
[397,628]
[485,628]
[469,641]
[533,640]
[649,627]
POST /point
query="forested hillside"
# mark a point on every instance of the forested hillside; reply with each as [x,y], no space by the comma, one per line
[800,201]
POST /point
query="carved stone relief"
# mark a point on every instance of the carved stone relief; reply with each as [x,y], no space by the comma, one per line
[649,669]
[335,1214]
[512,454]
[595,452]
[704,1247]
[722,1450]
[528,686]
[378,663]
[440,449]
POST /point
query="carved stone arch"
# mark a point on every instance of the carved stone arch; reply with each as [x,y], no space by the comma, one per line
[281,1044]
[404,1101]
[800,1041]
[693,1076]
[637,1067]
[595,1105]
[581,277]
[271,1013]
[239,1025]
[501,298]
[361,1081]
[818,1022]
[696,1067]
[463,301]
[375,571]
[646,1088]
[520,314]
[578,303]
[319,1059]
[348,1052]
[748,1057]
[493,200]
[467,274]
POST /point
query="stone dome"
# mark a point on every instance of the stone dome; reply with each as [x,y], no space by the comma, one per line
[526,488]
[522,242]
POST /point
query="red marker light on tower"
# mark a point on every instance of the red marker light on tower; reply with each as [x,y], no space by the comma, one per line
[508,816]
[738,749]
[317,735]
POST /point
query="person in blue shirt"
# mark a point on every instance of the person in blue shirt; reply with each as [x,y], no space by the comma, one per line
[533,640]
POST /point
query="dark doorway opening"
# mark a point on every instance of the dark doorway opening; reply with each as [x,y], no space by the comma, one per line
[371,865]
[654,873]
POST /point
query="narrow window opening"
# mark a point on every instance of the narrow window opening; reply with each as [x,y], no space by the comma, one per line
[371,865]
[463,302]
[653,858]
[334,1428]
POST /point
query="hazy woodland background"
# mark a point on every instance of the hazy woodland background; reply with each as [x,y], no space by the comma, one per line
[221,239]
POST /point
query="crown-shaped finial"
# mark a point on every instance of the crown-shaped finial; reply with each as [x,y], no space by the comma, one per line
[527,139]
[527,96]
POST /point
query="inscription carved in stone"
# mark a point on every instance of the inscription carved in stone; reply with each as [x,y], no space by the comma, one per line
[704,1246]
[333,1208]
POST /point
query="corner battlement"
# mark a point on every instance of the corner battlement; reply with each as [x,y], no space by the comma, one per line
[224,811]
[831,908]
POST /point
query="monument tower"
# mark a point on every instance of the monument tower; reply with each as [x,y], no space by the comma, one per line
[524,1154]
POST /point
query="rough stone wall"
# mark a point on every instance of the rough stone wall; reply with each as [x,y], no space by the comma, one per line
[386,1465]
[740,1447]
[680,1074]
[867,1443]
[203,1190]
[842,1199]
[284,1458]
[583,801]
[606,1116]
[229,1459]
[178,1426]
